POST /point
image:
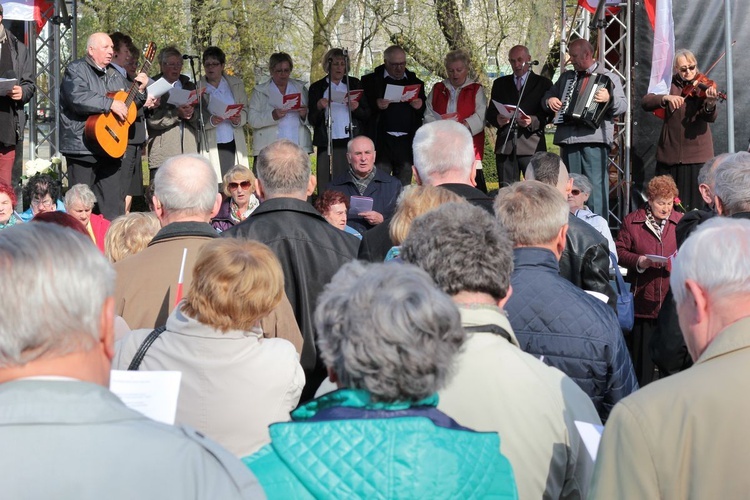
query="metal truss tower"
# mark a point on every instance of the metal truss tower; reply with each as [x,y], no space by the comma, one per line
[52,49]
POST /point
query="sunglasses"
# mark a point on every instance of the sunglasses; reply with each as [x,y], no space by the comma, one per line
[574,192]
[234,185]
[687,68]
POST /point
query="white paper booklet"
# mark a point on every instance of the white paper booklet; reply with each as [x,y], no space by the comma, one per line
[152,393]
[159,88]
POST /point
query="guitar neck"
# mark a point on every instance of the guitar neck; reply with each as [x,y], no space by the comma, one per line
[134,86]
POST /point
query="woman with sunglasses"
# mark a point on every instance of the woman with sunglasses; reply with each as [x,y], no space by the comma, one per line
[239,187]
[225,137]
[577,199]
[685,143]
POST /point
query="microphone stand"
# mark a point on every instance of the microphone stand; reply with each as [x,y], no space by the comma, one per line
[350,127]
[198,88]
[329,121]
[513,125]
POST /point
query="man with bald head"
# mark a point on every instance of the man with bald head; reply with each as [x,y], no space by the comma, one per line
[527,135]
[84,93]
[583,149]
[185,199]
[363,179]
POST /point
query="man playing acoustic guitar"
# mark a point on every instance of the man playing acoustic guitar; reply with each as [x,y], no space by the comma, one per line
[83,93]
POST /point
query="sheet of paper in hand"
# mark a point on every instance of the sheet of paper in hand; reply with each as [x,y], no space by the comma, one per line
[159,88]
[355,95]
[506,110]
[401,93]
[7,84]
[219,108]
[180,97]
[152,393]
[359,204]
[292,102]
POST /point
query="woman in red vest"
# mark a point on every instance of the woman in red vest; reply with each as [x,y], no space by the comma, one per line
[460,98]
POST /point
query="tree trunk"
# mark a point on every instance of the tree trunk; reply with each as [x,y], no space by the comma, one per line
[323,25]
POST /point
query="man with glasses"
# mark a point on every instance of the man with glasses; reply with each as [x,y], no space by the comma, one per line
[84,93]
[172,130]
[392,124]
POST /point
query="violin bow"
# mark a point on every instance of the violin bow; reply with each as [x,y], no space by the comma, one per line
[719,59]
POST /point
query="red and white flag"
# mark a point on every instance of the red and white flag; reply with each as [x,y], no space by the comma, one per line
[26,10]
[662,55]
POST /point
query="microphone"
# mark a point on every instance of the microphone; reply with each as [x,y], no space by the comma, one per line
[186,56]
[533,63]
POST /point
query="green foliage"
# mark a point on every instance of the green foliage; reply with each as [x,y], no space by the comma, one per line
[136,19]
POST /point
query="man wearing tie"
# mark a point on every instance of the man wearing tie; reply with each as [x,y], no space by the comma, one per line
[529,128]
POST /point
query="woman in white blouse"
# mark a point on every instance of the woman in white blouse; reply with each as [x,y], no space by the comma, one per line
[225,136]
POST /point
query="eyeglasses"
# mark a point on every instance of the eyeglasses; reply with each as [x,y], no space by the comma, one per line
[211,64]
[687,68]
[575,192]
[397,64]
[234,185]
[46,203]
[173,65]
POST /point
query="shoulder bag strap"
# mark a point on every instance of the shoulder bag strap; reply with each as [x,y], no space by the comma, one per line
[496,329]
[144,347]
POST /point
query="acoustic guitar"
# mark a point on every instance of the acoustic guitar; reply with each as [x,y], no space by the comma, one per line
[106,129]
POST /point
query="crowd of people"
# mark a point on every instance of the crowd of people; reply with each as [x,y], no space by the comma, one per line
[406,334]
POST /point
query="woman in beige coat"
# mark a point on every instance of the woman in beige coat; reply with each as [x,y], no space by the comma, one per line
[234,382]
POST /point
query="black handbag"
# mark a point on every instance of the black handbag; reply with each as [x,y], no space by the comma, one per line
[625,304]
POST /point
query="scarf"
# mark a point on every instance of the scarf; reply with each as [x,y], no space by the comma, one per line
[362,183]
[656,227]
[234,211]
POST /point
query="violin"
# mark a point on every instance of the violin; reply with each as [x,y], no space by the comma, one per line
[697,88]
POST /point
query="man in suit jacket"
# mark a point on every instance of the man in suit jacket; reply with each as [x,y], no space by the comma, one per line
[529,131]
[58,420]
[686,436]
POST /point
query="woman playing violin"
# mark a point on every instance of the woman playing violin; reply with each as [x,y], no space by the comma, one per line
[685,143]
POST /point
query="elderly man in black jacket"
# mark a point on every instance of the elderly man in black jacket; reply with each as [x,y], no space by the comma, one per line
[392,124]
[84,93]
[310,249]
[585,260]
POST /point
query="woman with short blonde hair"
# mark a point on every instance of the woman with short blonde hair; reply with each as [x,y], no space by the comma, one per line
[129,234]
[235,383]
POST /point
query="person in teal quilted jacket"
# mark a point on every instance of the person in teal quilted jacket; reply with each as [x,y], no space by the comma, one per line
[389,338]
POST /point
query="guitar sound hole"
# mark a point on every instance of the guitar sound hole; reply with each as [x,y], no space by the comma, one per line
[112,133]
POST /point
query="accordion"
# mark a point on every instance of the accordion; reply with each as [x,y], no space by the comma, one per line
[578,105]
